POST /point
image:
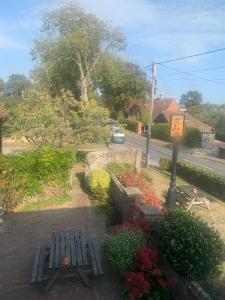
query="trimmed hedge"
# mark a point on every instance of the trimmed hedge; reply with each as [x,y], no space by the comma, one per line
[27,174]
[210,182]
[220,136]
[116,168]
[161,132]
[193,247]
[192,136]
[99,183]
[131,124]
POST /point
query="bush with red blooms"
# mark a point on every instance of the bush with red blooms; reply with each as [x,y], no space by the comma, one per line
[130,179]
[147,280]
[134,221]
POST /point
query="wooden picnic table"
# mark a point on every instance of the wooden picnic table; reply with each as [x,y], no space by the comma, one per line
[70,253]
[189,195]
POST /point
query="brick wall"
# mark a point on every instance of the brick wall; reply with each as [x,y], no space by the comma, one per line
[100,159]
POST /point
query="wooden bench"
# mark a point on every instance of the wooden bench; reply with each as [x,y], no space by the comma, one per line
[39,263]
[188,195]
[81,256]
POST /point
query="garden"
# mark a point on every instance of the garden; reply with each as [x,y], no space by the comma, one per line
[139,250]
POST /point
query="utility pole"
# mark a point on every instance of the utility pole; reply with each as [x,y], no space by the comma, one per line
[150,114]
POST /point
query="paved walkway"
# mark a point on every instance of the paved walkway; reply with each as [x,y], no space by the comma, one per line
[18,246]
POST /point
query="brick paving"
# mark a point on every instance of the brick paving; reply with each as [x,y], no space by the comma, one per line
[18,246]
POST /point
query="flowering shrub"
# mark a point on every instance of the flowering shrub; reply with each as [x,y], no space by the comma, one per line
[121,246]
[99,183]
[129,179]
[147,281]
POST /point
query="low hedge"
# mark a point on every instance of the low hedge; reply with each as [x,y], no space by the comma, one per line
[210,182]
[131,124]
[192,137]
[99,183]
[116,168]
[193,247]
[26,174]
[220,136]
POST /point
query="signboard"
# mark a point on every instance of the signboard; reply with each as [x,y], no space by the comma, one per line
[176,125]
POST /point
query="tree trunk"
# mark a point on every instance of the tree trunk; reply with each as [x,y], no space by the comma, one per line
[84,88]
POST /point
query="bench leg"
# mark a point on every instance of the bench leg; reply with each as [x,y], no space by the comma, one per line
[206,202]
[190,204]
[51,281]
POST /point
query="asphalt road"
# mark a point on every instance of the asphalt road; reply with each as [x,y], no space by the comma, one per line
[158,151]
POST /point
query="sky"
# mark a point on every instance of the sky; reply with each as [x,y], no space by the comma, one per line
[156,30]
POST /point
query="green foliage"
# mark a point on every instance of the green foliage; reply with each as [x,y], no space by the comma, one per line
[27,174]
[121,247]
[79,40]
[165,163]
[208,181]
[116,168]
[220,128]
[34,205]
[99,183]
[130,124]
[192,137]
[191,98]
[60,120]
[119,80]
[144,117]
[16,85]
[161,132]
[193,247]
[146,175]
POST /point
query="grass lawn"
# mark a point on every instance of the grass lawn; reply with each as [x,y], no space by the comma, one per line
[42,203]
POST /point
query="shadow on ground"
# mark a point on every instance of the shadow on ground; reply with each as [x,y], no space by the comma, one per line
[18,247]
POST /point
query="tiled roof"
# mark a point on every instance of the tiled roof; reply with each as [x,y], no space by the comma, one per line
[191,121]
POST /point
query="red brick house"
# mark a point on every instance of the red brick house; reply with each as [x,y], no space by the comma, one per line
[162,108]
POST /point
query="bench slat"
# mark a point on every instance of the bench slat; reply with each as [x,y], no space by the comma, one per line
[52,252]
[73,249]
[36,263]
[57,250]
[41,263]
[92,258]
[97,259]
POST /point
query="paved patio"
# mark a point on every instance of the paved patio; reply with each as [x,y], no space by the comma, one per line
[18,246]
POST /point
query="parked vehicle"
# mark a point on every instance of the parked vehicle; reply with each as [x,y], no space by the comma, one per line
[118,135]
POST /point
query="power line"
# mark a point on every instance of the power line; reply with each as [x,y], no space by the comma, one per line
[191,75]
[190,56]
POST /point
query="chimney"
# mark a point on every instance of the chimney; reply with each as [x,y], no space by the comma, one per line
[161,95]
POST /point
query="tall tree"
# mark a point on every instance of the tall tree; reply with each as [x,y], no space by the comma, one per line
[118,81]
[74,41]
[191,98]
[2,87]
[16,85]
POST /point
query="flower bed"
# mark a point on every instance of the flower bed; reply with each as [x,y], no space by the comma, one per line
[128,251]
[130,179]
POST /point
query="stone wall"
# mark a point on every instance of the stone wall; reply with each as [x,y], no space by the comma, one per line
[100,159]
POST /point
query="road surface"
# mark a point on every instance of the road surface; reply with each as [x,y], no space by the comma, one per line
[157,151]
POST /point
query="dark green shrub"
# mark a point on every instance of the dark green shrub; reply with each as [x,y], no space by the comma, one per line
[118,167]
[81,155]
[193,247]
[130,124]
[120,248]
[161,132]
[165,163]
[192,137]
[99,183]
[208,181]
[220,135]
[26,174]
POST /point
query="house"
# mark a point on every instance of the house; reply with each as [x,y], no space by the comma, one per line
[162,108]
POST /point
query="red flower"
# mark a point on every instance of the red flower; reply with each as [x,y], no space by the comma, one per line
[145,259]
[162,282]
[157,272]
[136,285]
[171,282]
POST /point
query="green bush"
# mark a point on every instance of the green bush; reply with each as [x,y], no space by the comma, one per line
[161,132]
[144,117]
[118,167]
[192,137]
[193,247]
[99,183]
[26,174]
[131,124]
[220,135]
[208,181]
[165,163]
[121,247]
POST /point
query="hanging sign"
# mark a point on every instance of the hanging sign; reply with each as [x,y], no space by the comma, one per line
[176,125]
